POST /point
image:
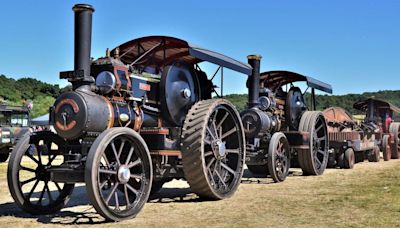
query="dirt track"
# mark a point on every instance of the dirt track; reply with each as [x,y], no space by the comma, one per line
[366,196]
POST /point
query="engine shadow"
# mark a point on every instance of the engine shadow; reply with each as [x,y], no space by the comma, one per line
[250,178]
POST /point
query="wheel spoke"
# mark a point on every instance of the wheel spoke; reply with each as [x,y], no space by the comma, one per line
[126,196]
[228,169]
[27,169]
[128,159]
[116,201]
[107,171]
[33,189]
[33,158]
[103,184]
[136,192]
[208,153]
[321,152]
[232,151]
[51,159]
[318,161]
[41,195]
[210,163]
[58,186]
[319,128]
[228,133]
[210,133]
[322,138]
[112,192]
[220,178]
[136,176]
[120,148]
[28,181]
[215,129]
[135,163]
[115,153]
[222,120]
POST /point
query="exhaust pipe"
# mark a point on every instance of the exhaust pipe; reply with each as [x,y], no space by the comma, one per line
[82,44]
[253,81]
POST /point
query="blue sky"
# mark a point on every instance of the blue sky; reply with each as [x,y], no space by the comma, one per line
[353,45]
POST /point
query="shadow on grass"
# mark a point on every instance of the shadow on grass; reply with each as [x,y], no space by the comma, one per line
[251,178]
[68,216]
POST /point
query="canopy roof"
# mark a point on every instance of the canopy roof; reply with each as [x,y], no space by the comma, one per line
[337,115]
[380,104]
[276,79]
[163,50]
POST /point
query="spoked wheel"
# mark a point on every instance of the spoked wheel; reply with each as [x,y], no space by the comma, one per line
[373,155]
[118,173]
[349,159]
[386,148]
[278,157]
[313,161]
[29,177]
[213,150]
[395,130]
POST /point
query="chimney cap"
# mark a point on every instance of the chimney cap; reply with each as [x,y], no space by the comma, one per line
[255,57]
[82,7]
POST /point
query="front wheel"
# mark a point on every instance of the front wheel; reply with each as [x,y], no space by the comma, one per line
[118,173]
[28,175]
[278,157]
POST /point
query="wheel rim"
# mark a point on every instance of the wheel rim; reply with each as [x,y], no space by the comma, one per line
[282,159]
[121,175]
[33,177]
[223,153]
[319,144]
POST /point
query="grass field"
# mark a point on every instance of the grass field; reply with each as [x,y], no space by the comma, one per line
[368,195]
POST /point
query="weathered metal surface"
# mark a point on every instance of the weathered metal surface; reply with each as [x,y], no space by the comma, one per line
[378,104]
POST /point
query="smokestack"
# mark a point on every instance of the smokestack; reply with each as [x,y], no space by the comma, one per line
[83,39]
[253,81]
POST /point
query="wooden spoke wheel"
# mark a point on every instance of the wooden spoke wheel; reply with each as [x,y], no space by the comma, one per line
[213,150]
[313,161]
[118,173]
[278,157]
[28,174]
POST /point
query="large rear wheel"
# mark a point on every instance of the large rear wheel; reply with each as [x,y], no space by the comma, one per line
[118,173]
[395,130]
[213,150]
[313,161]
[28,175]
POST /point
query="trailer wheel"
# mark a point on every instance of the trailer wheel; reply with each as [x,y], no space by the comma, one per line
[4,154]
[118,173]
[374,155]
[213,149]
[259,170]
[349,158]
[278,157]
[313,161]
[28,176]
[395,130]
[386,148]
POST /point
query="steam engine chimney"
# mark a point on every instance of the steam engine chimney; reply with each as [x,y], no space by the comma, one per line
[82,45]
[253,81]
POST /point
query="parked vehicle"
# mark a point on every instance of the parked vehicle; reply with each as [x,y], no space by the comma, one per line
[136,118]
[281,130]
[14,123]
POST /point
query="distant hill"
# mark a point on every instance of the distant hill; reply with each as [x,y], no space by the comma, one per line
[40,93]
